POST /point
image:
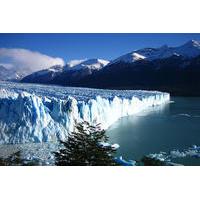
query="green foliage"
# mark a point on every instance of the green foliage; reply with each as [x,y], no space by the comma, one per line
[83,148]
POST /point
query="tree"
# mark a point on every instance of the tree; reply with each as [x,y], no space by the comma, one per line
[86,146]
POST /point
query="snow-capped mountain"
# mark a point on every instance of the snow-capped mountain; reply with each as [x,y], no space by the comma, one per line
[92,64]
[3,72]
[73,70]
[171,69]
[9,74]
[52,71]
[190,49]
[46,75]
[73,63]
[18,74]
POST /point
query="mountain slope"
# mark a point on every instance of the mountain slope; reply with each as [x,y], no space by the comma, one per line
[68,73]
[171,69]
[176,74]
[189,50]
[9,74]
[44,76]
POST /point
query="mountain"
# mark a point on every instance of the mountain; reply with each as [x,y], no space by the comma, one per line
[73,71]
[8,74]
[189,50]
[91,64]
[176,74]
[18,74]
[3,72]
[44,76]
[169,69]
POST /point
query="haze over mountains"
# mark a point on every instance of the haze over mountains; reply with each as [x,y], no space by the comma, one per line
[18,62]
[9,74]
[171,69]
[71,72]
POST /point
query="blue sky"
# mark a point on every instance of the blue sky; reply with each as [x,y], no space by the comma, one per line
[79,46]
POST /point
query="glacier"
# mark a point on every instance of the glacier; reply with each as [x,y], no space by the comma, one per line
[41,113]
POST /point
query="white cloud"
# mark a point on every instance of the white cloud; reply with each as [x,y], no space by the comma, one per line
[26,60]
[72,63]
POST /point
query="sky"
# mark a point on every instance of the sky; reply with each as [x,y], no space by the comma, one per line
[80,46]
[44,50]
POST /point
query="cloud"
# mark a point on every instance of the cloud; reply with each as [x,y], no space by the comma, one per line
[72,63]
[27,60]
[7,65]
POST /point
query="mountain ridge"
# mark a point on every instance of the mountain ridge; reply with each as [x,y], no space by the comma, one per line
[189,49]
[168,69]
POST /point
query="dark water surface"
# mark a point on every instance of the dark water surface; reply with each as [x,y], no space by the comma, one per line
[163,128]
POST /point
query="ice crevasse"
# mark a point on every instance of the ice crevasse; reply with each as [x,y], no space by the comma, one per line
[30,116]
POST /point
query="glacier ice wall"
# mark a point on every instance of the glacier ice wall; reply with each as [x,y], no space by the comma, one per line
[34,115]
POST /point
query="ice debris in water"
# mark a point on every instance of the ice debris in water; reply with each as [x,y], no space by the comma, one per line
[106,144]
[124,162]
[193,151]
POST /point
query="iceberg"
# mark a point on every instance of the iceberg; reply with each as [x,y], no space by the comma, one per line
[124,162]
[39,113]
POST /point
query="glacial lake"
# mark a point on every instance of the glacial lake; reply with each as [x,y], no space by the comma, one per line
[163,128]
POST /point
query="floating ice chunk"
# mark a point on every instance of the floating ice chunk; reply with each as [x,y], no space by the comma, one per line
[177,154]
[123,162]
[195,147]
[162,156]
[104,144]
[115,146]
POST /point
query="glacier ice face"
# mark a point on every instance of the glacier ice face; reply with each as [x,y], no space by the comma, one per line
[38,113]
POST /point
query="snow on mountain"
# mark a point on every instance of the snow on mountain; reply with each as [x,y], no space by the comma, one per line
[130,57]
[36,113]
[92,64]
[9,74]
[72,63]
[16,75]
[3,72]
[52,70]
[189,49]
[45,75]
[74,69]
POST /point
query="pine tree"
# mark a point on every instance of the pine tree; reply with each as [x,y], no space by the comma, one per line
[84,147]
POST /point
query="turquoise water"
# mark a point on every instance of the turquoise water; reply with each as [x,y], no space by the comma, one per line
[162,128]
